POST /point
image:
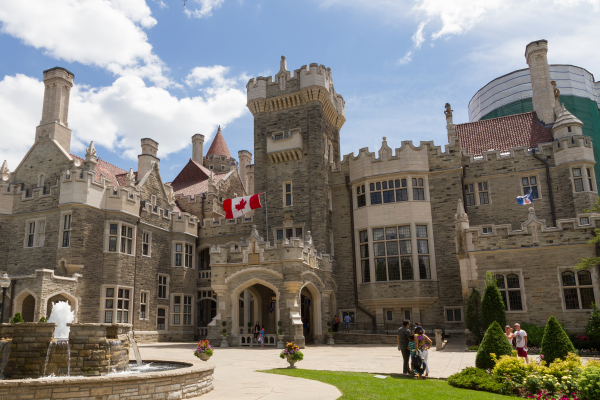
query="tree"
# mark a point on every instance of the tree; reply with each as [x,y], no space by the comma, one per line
[556,342]
[473,317]
[593,325]
[494,342]
[589,262]
[492,306]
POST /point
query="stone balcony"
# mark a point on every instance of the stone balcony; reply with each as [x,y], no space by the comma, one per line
[285,146]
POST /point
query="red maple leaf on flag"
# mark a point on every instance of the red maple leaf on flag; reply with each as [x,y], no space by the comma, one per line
[241,205]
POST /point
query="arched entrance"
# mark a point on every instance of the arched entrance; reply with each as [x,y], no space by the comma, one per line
[261,304]
[310,313]
[206,309]
[28,309]
[56,299]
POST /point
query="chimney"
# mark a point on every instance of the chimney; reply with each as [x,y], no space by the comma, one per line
[55,113]
[543,92]
[245,159]
[147,158]
[197,148]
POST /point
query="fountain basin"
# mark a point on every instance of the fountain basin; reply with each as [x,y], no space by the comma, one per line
[190,381]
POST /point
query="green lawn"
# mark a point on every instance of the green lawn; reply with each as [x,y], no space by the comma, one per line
[359,386]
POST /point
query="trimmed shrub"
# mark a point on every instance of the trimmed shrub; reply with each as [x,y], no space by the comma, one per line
[593,325]
[494,342]
[17,318]
[556,343]
[473,317]
[43,320]
[475,379]
[589,383]
[492,306]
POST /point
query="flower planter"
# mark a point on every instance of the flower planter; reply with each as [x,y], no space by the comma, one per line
[330,340]
[224,342]
[280,344]
[203,356]
[291,361]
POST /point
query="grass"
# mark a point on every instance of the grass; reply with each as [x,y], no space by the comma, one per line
[360,386]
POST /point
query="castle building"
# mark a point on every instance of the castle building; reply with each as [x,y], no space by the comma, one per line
[381,236]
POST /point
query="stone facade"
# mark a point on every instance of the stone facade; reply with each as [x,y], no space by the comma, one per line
[376,235]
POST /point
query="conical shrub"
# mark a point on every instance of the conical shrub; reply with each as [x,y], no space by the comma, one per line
[494,341]
[473,316]
[556,342]
[492,306]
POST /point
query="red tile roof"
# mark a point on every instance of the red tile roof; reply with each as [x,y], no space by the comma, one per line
[503,133]
[121,178]
[219,147]
[108,170]
[193,179]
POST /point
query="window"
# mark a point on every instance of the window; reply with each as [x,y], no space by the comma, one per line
[530,185]
[162,286]
[510,289]
[66,230]
[423,251]
[361,199]
[584,221]
[590,181]
[332,252]
[299,233]
[289,232]
[178,254]
[161,319]
[187,310]
[453,315]
[393,256]
[418,189]
[211,167]
[287,194]
[578,290]
[119,232]
[279,234]
[487,229]
[389,316]
[143,305]
[365,271]
[35,233]
[116,303]
[188,256]
[577,180]
[402,192]
[477,194]
[176,310]
[375,190]
[146,243]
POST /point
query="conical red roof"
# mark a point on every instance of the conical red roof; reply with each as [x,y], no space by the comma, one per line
[218,146]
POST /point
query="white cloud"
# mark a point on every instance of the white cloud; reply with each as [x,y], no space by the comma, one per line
[106,33]
[406,59]
[117,116]
[418,38]
[215,74]
[205,10]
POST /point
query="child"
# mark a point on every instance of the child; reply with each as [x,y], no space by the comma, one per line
[262,336]
[417,363]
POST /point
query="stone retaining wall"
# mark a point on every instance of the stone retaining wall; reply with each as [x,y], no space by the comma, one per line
[182,383]
[367,338]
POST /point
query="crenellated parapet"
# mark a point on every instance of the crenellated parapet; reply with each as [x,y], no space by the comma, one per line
[184,223]
[573,148]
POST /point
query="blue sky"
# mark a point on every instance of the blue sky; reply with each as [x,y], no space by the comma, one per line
[152,68]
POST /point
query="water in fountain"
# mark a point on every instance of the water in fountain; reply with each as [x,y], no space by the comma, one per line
[51,346]
[61,315]
[4,353]
[136,351]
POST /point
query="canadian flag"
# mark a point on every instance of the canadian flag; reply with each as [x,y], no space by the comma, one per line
[241,205]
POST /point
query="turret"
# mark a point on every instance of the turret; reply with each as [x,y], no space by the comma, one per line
[55,112]
[245,158]
[566,124]
[197,148]
[148,157]
[543,92]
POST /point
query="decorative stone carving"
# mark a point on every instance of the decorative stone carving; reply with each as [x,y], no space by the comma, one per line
[4,171]
[90,153]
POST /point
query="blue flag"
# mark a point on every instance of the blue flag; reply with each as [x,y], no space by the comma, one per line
[524,200]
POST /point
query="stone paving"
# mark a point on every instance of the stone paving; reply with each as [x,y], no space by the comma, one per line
[236,377]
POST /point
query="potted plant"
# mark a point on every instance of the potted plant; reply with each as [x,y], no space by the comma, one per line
[224,341]
[204,350]
[292,354]
[279,335]
[330,340]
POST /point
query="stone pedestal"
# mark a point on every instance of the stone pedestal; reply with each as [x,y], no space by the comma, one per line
[439,340]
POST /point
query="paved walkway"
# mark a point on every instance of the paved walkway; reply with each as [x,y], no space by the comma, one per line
[236,376]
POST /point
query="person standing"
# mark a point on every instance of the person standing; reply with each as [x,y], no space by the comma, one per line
[521,339]
[347,320]
[336,323]
[423,343]
[262,336]
[403,340]
[256,331]
[508,332]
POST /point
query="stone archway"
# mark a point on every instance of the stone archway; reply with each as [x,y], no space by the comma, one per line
[261,291]
[312,311]
[28,309]
[55,299]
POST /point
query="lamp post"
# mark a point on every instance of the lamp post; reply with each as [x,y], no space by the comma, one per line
[4,283]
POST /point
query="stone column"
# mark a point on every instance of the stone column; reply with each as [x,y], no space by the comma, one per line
[290,313]
[247,297]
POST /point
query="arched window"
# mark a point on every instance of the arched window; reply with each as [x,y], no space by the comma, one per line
[578,293]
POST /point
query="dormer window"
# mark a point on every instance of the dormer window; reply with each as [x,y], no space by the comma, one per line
[211,167]
[569,129]
[279,136]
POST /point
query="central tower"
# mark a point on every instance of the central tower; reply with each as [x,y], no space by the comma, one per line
[297,122]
